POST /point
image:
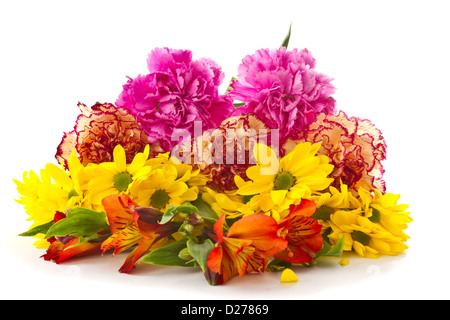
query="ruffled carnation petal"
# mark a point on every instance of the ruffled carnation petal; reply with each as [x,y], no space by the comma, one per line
[178,93]
[355,147]
[283,89]
[98,130]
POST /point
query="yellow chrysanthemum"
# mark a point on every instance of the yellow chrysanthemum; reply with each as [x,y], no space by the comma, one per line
[366,238]
[55,190]
[190,174]
[109,178]
[161,189]
[332,200]
[223,203]
[276,184]
[70,181]
[383,208]
[336,199]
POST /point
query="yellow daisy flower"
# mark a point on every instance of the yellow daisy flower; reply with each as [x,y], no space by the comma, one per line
[70,181]
[336,199]
[329,202]
[55,190]
[41,198]
[383,208]
[276,184]
[161,189]
[366,238]
[223,203]
[109,178]
[190,174]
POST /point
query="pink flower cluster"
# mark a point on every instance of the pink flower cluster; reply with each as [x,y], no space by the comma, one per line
[283,89]
[178,101]
[177,92]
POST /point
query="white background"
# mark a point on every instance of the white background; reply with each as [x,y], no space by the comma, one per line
[390,64]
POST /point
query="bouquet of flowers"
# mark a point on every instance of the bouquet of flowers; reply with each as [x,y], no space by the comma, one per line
[266,177]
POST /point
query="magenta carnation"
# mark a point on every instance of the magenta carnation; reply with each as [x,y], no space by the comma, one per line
[176,93]
[283,89]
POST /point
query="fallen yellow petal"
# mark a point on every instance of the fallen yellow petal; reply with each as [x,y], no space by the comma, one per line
[344,262]
[288,276]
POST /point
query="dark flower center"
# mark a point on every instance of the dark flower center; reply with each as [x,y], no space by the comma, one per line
[122,181]
[159,199]
[284,181]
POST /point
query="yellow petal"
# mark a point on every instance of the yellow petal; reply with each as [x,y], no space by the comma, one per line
[266,202]
[120,158]
[278,195]
[344,262]
[253,188]
[266,158]
[288,276]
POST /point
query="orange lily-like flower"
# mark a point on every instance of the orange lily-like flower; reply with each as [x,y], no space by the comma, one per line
[246,246]
[131,225]
[64,248]
[302,233]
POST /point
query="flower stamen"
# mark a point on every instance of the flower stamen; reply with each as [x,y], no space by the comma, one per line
[159,199]
[122,181]
[284,181]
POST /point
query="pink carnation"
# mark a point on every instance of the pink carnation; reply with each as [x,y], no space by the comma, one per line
[176,93]
[283,89]
[355,147]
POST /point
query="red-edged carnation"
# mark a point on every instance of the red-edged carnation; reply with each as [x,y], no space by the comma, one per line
[98,130]
[230,147]
[355,147]
[246,246]
[302,233]
[176,93]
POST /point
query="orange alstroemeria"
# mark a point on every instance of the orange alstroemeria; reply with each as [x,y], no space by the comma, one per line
[64,248]
[301,232]
[246,246]
[59,251]
[131,225]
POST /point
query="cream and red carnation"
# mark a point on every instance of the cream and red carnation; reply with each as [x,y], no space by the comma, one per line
[98,130]
[355,147]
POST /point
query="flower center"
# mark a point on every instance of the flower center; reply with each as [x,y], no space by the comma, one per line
[376,215]
[284,180]
[159,199]
[361,237]
[122,180]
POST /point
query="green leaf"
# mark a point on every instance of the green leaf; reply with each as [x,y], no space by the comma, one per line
[79,222]
[186,208]
[43,228]
[167,255]
[331,251]
[200,252]
[205,210]
[278,265]
[239,104]
[286,39]
[229,88]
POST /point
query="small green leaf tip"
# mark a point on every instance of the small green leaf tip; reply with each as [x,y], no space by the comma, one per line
[286,39]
